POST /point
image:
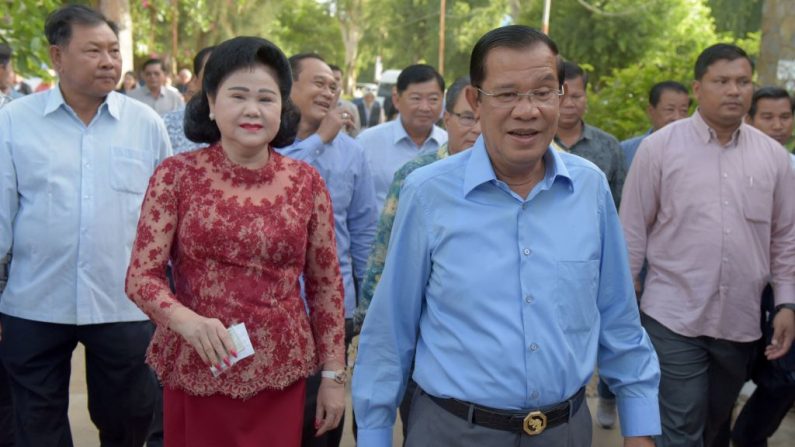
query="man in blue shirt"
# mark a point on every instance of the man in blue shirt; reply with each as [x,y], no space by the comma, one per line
[75,162]
[507,280]
[388,146]
[340,161]
[668,102]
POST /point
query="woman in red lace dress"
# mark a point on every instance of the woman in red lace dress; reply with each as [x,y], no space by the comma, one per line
[240,224]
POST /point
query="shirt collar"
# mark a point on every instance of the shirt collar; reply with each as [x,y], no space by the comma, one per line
[442,152]
[55,101]
[706,133]
[479,169]
[587,134]
[399,133]
[149,93]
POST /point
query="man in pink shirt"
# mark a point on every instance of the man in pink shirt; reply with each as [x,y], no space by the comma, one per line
[707,201]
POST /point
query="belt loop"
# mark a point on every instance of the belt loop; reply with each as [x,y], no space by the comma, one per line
[471,414]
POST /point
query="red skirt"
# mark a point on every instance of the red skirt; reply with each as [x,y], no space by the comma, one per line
[271,418]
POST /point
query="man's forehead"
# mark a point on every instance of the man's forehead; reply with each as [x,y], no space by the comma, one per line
[774,105]
[536,61]
[315,68]
[99,34]
[425,87]
[726,67]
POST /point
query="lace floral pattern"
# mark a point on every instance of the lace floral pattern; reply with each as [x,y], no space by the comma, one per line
[238,240]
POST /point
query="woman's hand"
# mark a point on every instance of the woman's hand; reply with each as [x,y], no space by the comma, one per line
[330,405]
[208,336]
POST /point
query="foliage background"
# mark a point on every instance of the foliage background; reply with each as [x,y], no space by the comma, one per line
[626,45]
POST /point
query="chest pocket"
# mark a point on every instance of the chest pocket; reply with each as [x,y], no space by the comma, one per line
[129,170]
[758,200]
[575,290]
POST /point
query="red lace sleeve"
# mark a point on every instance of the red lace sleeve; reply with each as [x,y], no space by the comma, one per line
[146,282]
[323,279]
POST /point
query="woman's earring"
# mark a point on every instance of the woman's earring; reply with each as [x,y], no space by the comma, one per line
[212,116]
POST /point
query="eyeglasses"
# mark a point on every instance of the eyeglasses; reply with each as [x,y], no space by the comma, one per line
[465,120]
[540,97]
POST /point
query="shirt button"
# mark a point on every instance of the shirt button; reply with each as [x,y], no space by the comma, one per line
[728,231]
[526,252]
[725,259]
[534,395]
[534,347]
[726,202]
[529,299]
[725,175]
[524,206]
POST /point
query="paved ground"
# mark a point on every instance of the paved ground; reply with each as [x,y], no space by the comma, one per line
[85,435]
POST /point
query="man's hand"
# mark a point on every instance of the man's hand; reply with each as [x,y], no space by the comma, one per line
[330,405]
[783,333]
[208,336]
[332,124]
[638,441]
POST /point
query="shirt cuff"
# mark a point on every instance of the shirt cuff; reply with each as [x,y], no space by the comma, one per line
[374,437]
[639,416]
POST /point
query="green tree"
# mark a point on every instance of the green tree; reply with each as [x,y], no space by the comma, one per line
[308,26]
[618,103]
[606,34]
[22,28]
[737,17]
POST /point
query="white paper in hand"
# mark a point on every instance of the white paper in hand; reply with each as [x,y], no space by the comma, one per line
[242,346]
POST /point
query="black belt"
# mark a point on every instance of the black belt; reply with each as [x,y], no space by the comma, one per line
[531,423]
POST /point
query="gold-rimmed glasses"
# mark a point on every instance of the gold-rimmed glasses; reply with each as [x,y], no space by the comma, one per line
[541,97]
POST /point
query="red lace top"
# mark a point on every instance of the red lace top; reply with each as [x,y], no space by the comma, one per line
[238,240]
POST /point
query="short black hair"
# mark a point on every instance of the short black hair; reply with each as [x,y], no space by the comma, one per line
[296,59]
[770,92]
[335,67]
[573,71]
[200,59]
[5,54]
[511,36]
[454,92]
[230,56]
[659,88]
[717,52]
[58,27]
[417,74]
[153,61]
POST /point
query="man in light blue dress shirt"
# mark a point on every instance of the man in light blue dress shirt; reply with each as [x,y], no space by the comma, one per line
[340,161]
[506,281]
[74,165]
[388,146]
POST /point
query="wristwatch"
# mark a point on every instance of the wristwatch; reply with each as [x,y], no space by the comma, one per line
[340,376]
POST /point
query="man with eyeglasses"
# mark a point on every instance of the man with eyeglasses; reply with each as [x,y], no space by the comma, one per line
[506,280]
[577,137]
[388,146]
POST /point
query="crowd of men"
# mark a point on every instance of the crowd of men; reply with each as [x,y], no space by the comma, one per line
[488,265]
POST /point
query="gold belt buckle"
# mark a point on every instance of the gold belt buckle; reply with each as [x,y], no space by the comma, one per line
[534,423]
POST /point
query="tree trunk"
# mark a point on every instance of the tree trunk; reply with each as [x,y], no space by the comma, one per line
[349,15]
[119,12]
[777,52]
